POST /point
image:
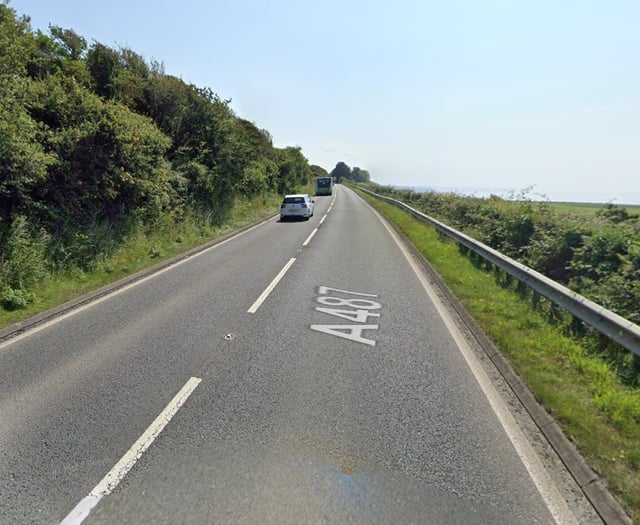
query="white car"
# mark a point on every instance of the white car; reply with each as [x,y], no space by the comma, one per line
[297,206]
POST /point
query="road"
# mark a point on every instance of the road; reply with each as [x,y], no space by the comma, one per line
[300,372]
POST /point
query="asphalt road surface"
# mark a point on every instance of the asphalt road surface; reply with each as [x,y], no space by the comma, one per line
[300,372]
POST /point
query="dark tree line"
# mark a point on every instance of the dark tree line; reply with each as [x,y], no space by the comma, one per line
[342,171]
[94,142]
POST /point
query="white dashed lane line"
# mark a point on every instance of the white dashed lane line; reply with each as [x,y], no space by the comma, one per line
[120,470]
[269,289]
[306,243]
[263,296]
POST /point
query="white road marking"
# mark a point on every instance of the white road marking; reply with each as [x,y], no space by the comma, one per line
[120,470]
[306,243]
[324,290]
[269,289]
[546,487]
[329,209]
[347,331]
[125,288]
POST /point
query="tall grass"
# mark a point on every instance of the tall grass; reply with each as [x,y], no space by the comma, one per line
[22,265]
[37,286]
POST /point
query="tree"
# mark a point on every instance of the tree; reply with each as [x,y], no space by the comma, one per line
[359,175]
[23,161]
[341,171]
[294,170]
[94,141]
[16,43]
[131,80]
[318,171]
[164,101]
[109,161]
[72,45]
[103,64]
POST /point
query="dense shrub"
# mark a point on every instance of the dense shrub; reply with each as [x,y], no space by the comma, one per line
[597,256]
[95,143]
[22,263]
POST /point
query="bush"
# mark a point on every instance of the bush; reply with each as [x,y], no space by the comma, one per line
[598,258]
[15,299]
[22,259]
[22,264]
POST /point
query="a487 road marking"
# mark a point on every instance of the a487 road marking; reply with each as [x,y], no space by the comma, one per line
[353,308]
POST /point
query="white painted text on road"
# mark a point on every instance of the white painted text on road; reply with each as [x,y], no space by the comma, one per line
[356,309]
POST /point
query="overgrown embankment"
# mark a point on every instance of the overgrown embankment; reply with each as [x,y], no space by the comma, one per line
[587,384]
[597,255]
[98,147]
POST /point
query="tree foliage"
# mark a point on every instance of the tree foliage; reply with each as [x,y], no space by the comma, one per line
[24,161]
[94,141]
[342,171]
[17,44]
[318,171]
[599,258]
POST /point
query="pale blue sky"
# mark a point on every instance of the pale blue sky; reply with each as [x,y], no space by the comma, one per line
[472,94]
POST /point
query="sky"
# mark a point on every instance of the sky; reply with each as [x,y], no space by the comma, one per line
[529,97]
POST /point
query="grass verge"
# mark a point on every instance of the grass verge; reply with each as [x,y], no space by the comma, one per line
[141,250]
[589,209]
[598,413]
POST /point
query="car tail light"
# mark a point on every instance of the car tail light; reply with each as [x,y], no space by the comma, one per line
[304,205]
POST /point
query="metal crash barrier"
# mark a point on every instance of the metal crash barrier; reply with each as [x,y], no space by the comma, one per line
[617,328]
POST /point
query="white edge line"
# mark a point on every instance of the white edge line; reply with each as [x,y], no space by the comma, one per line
[269,289]
[120,470]
[306,243]
[123,289]
[550,494]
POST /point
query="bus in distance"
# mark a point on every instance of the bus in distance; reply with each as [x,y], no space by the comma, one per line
[324,185]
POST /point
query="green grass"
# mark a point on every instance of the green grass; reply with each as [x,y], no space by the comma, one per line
[141,250]
[589,209]
[585,396]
